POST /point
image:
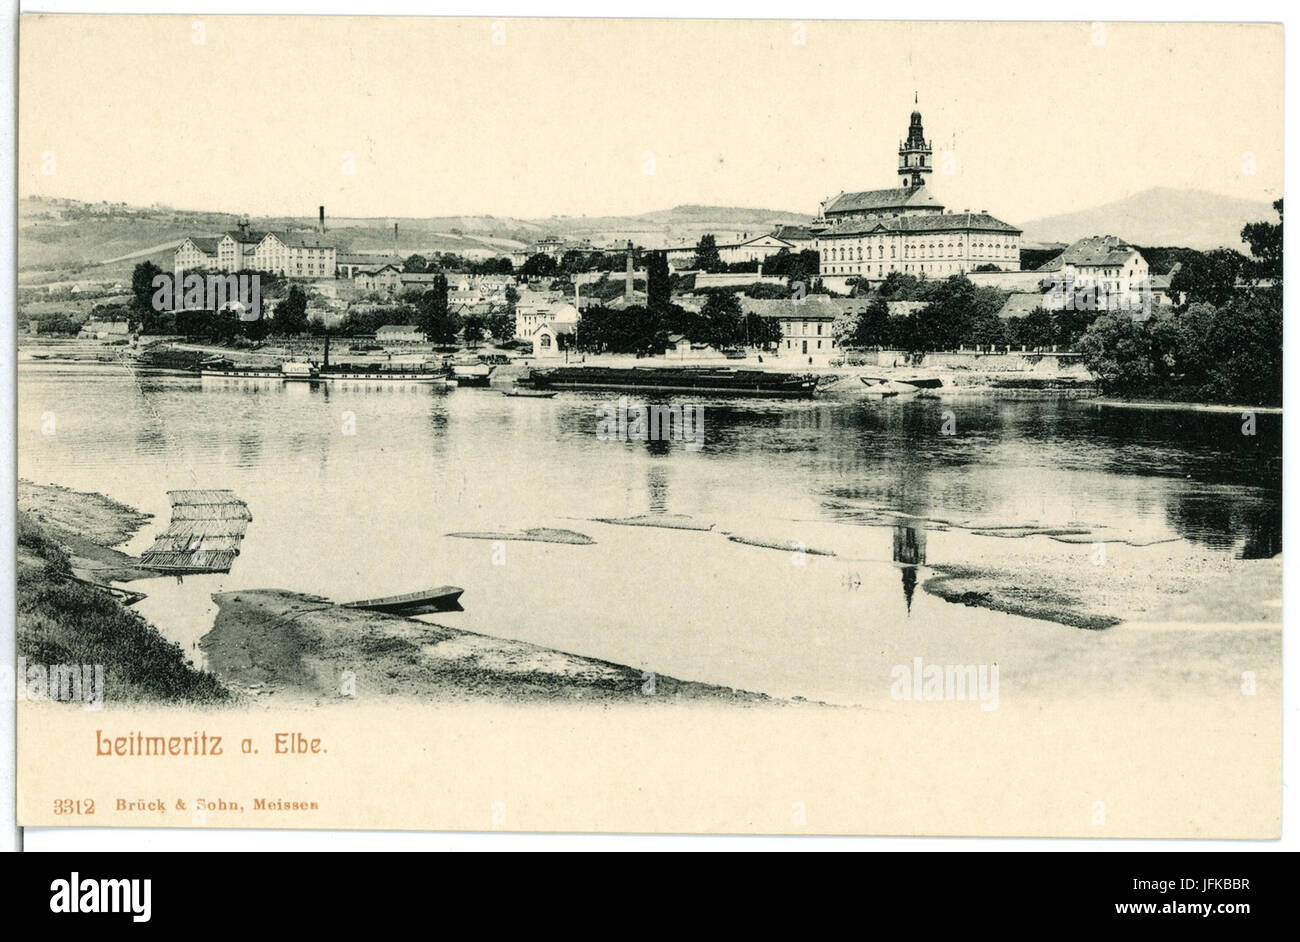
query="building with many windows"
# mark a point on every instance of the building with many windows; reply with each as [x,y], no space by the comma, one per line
[304,254]
[1104,272]
[906,229]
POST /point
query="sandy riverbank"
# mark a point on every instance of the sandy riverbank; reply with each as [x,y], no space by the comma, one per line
[275,645]
[86,527]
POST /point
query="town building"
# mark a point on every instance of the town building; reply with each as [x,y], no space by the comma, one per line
[303,254]
[1104,270]
[870,234]
[399,333]
[386,279]
[746,249]
[807,324]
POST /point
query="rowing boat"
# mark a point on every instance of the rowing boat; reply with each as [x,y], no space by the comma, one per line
[445,598]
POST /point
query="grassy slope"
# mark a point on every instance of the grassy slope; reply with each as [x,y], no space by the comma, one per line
[61,622]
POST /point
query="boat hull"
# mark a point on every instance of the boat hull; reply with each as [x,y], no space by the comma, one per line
[712,381]
[442,599]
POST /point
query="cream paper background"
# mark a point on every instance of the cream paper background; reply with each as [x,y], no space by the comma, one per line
[1185,768]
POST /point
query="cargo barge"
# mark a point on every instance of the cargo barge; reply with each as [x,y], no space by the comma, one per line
[678,379]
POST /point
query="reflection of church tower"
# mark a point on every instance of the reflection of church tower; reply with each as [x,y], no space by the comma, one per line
[914,154]
[909,549]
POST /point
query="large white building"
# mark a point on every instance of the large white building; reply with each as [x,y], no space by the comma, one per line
[304,254]
[1101,271]
[906,229]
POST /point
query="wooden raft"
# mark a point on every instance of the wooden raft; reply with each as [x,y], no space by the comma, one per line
[206,529]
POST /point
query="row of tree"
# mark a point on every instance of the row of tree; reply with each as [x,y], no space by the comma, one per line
[1221,343]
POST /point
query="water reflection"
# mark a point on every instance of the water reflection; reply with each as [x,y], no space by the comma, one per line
[909,551]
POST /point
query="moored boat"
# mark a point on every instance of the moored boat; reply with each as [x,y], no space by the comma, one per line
[886,388]
[523,392]
[919,382]
[678,379]
[445,598]
[472,372]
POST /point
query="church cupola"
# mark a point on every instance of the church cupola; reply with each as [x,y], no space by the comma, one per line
[914,154]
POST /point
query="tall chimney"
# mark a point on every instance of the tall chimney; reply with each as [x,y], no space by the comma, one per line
[395,252]
[322,219]
[628,272]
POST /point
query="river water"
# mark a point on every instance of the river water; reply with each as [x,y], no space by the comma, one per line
[354,488]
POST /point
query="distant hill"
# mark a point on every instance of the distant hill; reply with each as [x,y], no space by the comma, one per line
[61,238]
[1159,216]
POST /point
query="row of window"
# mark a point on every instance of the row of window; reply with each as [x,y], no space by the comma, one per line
[923,250]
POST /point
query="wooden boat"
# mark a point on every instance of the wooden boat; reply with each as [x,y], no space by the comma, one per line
[678,379]
[886,388]
[125,596]
[445,598]
[472,373]
[919,382]
[522,392]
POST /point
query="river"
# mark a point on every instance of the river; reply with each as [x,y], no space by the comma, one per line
[354,488]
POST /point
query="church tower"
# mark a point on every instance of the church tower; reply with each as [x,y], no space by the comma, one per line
[914,154]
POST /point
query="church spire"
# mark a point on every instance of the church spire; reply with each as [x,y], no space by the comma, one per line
[914,154]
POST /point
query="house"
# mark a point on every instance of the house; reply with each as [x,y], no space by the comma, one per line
[806,324]
[679,347]
[746,249]
[386,279]
[1107,272]
[530,316]
[418,281]
[349,264]
[1021,304]
[552,339]
[399,333]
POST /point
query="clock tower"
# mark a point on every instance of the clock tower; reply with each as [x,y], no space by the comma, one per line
[914,154]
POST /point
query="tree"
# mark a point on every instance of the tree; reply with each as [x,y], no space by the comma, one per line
[1208,276]
[722,324]
[501,326]
[797,266]
[433,316]
[658,282]
[707,257]
[631,330]
[872,328]
[1265,240]
[291,313]
[539,265]
[142,289]
[416,264]
[473,330]
[898,286]
[1119,352]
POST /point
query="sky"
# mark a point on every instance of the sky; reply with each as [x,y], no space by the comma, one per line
[530,118]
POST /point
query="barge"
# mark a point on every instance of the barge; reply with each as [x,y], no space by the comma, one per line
[678,379]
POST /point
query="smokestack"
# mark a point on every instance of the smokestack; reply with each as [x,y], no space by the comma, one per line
[628,272]
[395,252]
[322,219]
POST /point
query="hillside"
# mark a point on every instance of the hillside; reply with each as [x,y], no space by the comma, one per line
[1159,216]
[63,239]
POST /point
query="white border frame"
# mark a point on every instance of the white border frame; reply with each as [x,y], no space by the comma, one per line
[120,839]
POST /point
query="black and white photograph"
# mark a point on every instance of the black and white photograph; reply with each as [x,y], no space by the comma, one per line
[649,426]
